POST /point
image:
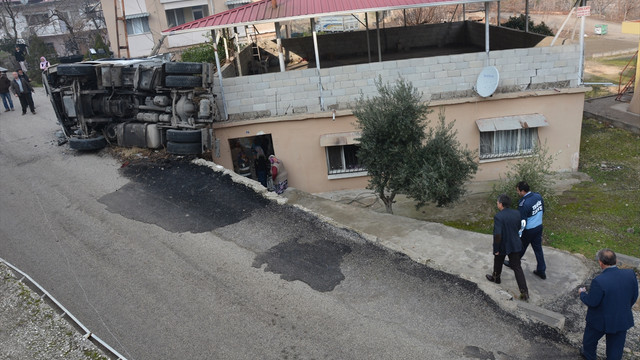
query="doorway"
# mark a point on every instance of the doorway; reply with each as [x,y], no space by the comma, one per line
[250,156]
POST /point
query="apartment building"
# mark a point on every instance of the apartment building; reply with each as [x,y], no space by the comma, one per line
[144,20]
[69,26]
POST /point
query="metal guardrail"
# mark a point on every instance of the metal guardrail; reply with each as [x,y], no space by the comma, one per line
[88,334]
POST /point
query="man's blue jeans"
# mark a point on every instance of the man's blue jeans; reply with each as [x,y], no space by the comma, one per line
[7,101]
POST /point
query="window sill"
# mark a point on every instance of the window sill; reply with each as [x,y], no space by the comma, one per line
[347,175]
[481,161]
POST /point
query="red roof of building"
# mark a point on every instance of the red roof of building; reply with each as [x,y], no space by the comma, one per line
[263,12]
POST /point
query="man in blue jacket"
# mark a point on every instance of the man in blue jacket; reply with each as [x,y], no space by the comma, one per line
[531,207]
[610,298]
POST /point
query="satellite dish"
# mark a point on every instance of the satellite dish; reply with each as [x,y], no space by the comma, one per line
[487,81]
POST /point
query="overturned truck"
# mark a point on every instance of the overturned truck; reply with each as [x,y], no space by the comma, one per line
[147,103]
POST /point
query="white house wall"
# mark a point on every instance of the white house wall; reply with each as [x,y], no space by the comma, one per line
[186,39]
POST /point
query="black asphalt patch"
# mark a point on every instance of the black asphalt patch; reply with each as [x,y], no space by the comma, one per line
[180,196]
[317,264]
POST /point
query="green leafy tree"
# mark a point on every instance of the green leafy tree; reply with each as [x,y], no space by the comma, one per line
[446,166]
[520,21]
[205,52]
[400,155]
[535,170]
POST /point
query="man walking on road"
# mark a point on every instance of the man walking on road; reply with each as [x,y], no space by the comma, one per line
[506,241]
[23,91]
[531,207]
[610,298]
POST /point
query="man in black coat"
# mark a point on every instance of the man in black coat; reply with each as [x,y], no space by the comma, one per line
[23,90]
[19,55]
[506,242]
[610,298]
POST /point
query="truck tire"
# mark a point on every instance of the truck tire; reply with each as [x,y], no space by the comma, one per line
[184,148]
[76,69]
[184,136]
[183,68]
[182,81]
[89,144]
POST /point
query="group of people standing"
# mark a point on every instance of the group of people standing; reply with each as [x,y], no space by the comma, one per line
[611,296]
[269,171]
[20,86]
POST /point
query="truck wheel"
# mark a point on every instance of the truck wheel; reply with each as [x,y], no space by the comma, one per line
[183,81]
[95,143]
[184,136]
[76,69]
[184,148]
[183,68]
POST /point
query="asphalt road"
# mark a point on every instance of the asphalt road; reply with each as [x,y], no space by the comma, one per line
[169,260]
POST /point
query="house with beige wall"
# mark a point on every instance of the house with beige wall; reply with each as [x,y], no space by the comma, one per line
[304,116]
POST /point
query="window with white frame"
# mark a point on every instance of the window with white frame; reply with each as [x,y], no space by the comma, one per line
[343,159]
[509,136]
[175,17]
[198,12]
[138,25]
[507,143]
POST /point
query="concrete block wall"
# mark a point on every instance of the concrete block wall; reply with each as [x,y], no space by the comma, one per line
[442,77]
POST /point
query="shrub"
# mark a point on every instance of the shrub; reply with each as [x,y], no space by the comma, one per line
[535,171]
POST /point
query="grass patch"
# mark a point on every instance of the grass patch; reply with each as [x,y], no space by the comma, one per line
[604,212]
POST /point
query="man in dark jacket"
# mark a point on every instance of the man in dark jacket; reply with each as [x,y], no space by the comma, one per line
[506,242]
[19,55]
[5,84]
[23,91]
[610,298]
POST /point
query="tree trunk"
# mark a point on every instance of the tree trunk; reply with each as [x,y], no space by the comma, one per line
[388,201]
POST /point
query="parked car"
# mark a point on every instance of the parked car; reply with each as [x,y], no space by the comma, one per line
[148,103]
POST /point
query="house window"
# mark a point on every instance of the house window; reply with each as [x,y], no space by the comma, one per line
[138,26]
[507,143]
[509,136]
[198,12]
[343,159]
[37,19]
[175,17]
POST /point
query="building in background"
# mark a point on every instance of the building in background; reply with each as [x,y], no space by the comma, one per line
[68,26]
[144,21]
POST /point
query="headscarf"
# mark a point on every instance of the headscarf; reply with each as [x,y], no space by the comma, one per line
[44,64]
[273,159]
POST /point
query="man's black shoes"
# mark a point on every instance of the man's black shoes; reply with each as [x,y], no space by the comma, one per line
[493,278]
[539,274]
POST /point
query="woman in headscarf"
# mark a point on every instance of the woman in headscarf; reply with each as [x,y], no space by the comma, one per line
[278,174]
[44,64]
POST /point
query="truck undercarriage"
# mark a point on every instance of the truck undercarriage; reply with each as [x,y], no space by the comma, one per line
[147,103]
